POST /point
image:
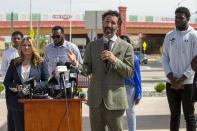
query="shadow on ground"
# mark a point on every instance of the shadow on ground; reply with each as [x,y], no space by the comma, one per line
[148,122]
[144,122]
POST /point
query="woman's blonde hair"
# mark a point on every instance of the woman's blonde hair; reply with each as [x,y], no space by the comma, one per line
[36,58]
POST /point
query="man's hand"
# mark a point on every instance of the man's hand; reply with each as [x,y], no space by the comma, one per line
[180,81]
[19,87]
[137,101]
[172,80]
[108,55]
[194,63]
[72,57]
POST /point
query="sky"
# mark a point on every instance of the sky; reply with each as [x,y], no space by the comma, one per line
[163,8]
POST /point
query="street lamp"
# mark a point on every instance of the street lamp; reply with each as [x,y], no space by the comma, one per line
[70,22]
[178,4]
[30,19]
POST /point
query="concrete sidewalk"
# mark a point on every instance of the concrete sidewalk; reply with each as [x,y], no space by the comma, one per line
[152,115]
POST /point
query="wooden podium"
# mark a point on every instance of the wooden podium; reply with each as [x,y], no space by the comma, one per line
[47,114]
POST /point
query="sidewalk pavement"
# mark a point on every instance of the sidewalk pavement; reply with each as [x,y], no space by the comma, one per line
[152,114]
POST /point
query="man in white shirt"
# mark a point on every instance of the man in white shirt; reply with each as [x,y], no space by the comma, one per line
[179,48]
[11,52]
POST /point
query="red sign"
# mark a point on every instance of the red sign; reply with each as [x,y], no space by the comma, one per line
[167,19]
[65,17]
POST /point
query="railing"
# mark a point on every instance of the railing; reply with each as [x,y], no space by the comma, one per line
[83,81]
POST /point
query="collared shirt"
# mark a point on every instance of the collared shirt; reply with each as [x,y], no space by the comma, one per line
[54,54]
[179,48]
[8,55]
[112,43]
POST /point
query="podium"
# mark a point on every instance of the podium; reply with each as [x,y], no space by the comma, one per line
[49,114]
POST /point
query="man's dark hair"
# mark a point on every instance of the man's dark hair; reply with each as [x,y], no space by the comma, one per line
[17,33]
[58,28]
[183,10]
[125,37]
[112,13]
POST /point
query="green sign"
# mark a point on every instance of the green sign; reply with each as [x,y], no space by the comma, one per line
[83,17]
[36,17]
[133,18]
[149,18]
[8,17]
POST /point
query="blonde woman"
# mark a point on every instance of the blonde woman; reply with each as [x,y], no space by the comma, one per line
[28,64]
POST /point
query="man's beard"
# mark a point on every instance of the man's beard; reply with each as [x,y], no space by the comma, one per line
[59,43]
[109,34]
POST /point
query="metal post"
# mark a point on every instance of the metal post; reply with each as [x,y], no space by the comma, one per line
[30,19]
[96,24]
[11,22]
[141,52]
[39,34]
[70,24]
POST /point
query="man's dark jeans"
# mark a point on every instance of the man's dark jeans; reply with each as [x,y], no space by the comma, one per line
[175,98]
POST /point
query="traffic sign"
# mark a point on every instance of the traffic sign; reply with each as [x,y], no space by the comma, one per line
[144,45]
[64,17]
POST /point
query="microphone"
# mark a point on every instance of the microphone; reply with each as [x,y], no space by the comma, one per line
[61,69]
[106,47]
[70,66]
[53,80]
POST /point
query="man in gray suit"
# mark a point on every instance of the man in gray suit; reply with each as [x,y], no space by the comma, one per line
[108,65]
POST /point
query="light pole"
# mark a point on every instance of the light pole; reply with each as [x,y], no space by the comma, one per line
[30,19]
[70,38]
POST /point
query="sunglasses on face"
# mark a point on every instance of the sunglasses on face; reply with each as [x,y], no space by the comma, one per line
[56,36]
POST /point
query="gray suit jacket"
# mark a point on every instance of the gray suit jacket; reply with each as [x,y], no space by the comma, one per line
[107,82]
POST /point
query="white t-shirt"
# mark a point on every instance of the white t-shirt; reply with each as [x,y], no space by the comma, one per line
[8,55]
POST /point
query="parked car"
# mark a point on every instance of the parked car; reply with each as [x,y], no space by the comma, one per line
[142,57]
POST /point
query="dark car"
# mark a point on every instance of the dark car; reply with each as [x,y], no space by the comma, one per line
[142,57]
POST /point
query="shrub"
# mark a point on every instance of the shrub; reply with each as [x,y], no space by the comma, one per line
[160,87]
[1,87]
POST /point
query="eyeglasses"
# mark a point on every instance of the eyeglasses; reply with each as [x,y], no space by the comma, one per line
[56,36]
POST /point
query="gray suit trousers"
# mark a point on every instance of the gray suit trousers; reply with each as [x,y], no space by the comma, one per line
[101,117]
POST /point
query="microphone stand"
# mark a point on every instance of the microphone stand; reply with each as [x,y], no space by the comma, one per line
[62,85]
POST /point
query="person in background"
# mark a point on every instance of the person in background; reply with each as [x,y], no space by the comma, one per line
[28,64]
[11,52]
[109,60]
[179,48]
[57,50]
[134,90]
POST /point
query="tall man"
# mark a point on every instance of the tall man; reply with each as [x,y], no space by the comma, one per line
[107,95]
[11,52]
[57,51]
[179,47]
